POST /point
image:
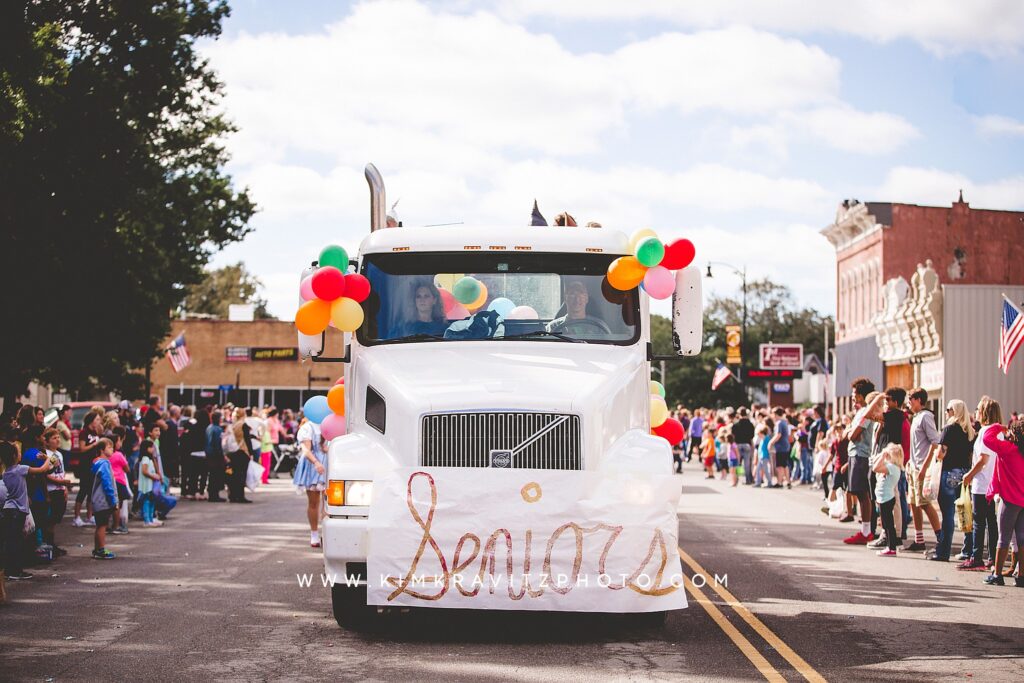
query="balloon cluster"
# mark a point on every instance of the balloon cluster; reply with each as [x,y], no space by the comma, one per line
[328,411]
[662,425]
[330,296]
[651,264]
[462,295]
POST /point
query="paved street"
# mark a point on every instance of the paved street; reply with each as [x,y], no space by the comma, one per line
[214,595]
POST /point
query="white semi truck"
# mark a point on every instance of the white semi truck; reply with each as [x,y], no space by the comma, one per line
[546,391]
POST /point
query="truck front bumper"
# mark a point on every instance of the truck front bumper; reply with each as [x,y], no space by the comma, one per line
[344,542]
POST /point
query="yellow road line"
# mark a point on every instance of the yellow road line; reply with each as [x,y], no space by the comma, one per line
[797,662]
[745,646]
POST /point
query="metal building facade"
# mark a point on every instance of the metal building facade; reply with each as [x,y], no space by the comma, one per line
[970,342]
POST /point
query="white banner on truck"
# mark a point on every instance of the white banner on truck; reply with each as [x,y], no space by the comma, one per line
[485,538]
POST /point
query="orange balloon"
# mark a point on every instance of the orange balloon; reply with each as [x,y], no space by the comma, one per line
[480,300]
[313,316]
[336,399]
[626,273]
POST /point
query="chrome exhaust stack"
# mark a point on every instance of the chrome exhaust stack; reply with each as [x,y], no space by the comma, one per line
[378,204]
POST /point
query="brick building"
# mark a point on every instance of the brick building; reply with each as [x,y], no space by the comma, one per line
[894,263]
[248,363]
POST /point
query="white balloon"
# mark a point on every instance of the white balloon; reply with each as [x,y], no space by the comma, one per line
[522,313]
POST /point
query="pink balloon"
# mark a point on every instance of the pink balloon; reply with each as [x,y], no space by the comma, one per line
[447,300]
[659,282]
[306,288]
[333,426]
[522,313]
[458,312]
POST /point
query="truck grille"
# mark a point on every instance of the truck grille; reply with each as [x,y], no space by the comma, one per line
[546,441]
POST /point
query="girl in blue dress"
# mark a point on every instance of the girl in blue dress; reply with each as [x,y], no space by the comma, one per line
[311,475]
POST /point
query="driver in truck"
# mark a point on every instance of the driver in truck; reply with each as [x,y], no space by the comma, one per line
[576,319]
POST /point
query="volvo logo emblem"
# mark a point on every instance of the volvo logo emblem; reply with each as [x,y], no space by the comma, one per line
[501,458]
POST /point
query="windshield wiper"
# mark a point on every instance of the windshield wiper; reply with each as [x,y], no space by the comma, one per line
[422,336]
[545,333]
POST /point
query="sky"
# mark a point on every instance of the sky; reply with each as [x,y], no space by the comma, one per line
[738,124]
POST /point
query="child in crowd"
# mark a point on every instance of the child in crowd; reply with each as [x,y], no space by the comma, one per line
[57,487]
[721,452]
[707,452]
[15,508]
[764,460]
[104,498]
[120,467]
[148,479]
[887,470]
[734,458]
[821,456]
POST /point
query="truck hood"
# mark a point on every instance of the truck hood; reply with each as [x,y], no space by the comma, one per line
[461,376]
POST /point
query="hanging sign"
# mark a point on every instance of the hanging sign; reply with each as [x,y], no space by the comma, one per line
[518,539]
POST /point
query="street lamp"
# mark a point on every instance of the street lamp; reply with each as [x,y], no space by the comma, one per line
[743,276]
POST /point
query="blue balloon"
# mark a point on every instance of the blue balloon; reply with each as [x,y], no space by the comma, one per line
[501,306]
[316,409]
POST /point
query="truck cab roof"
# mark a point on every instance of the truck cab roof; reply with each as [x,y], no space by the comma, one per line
[496,238]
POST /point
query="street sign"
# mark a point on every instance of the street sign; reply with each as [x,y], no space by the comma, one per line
[733,342]
[754,373]
[782,356]
[226,387]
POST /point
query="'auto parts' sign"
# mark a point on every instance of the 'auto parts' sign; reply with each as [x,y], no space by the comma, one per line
[485,538]
[782,356]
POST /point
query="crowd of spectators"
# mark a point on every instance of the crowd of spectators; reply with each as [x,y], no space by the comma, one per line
[886,464]
[118,466]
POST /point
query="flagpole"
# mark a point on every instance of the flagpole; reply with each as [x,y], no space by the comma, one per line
[149,386]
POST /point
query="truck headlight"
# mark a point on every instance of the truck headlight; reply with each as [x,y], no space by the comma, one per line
[358,493]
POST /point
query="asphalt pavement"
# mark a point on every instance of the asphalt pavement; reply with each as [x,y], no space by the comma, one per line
[214,595]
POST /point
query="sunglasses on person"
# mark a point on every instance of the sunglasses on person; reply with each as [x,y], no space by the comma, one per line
[949,409]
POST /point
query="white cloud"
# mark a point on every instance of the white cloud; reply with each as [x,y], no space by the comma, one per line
[450,88]
[991,27]
[998,125]
[930,186]
[840,127]
[850,130]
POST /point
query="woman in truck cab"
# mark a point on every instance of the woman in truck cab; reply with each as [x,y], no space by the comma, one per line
[427,312]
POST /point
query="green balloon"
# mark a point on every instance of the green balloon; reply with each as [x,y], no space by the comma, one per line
[466,290]
[333,255]
[650,251]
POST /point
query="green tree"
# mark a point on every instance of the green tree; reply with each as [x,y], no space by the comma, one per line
[113,190]
[222,287]
[772,315]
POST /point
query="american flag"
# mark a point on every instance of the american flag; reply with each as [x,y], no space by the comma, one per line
[722,373]
[177,353]
[1011,334]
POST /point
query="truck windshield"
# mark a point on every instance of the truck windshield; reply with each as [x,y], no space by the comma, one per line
[523,296]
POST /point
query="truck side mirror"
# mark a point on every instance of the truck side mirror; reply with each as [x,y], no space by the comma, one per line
[688,312]
[309,345]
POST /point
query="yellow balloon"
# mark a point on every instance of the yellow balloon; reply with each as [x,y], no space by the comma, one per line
[659,412]
[635,238]
[336,399]
[480,300]
[346,314]
[313,316]
[447,280]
